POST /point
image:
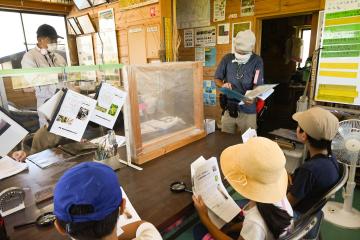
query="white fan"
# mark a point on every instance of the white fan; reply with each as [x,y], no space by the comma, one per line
[346,148]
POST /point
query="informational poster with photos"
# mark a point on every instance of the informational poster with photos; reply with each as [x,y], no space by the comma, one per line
[11,133]
[109,103]
[189,38]
[247,8]
[238,27]
[219,10]
[72,116]
[210,56]
[205,37]
[200,55]
[209,92]
[106,20]
[223,33]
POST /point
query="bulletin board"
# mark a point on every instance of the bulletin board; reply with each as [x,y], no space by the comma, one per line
[338,72]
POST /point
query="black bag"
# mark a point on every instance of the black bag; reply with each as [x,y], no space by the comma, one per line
[229,104]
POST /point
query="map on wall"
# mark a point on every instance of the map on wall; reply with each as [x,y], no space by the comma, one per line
[338,76]
[193,13]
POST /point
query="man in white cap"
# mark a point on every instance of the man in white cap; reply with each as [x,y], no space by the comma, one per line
[241,71]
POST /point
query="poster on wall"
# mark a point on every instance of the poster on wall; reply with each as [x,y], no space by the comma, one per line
[338,75]
[210,56]
[219,10]
[85,50]
[205,37]
[209,92]
[247,8]
[106,48]
[200,55]
[189,38]
[223,33]
[106,20]
[238,27]
[193,14]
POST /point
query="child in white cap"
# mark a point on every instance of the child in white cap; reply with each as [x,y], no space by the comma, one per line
[256,170]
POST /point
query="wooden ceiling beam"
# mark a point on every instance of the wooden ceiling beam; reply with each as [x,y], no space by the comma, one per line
[36,6]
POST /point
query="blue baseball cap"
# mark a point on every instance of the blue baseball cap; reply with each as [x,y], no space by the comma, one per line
[88,183]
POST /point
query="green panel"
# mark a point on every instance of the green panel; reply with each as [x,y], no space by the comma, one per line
[343,28]
[340,54]
[350,47]
[341,41]
[349,13]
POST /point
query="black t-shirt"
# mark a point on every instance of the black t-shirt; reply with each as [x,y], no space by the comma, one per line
[313,179]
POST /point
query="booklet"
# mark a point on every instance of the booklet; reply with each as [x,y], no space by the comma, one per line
[109,103]
[129,216]
[11,132]
[48,157]
[206,181]
[262,91]
[10,167]
[72,115]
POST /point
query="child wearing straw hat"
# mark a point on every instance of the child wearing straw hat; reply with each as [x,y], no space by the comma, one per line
[256,170]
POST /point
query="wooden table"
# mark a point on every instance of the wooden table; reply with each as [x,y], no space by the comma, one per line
[148,190]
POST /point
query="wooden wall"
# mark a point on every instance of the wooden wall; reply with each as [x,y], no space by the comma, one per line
[123,21]
[264,9]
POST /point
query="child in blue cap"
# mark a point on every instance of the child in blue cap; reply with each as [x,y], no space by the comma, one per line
[87,204]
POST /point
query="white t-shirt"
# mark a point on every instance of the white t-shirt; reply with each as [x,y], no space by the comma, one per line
[254,226]
[147,231]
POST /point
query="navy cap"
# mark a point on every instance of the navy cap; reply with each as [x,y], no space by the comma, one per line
[88,183]
[46,30]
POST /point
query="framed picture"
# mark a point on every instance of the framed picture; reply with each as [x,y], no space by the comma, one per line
[74,26]
[82,4]
[86,24]
[98,2]
[106,20]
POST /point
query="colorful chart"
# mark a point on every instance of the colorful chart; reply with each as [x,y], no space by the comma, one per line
[338,78]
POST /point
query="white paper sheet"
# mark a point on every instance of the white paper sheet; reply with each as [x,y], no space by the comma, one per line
[208,184]
[250,133]
[10,167]
[219,10]
[109,103]
[50,106]
[205,37]
[11,133]
[223,33]
[260,90]
[188,38]
[73,116]
[124,218]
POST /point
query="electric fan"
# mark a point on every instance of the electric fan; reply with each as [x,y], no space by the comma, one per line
[346,148]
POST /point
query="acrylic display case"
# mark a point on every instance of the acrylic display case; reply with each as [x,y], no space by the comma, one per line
[166,107]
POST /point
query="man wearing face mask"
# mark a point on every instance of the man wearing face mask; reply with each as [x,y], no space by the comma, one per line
[240,72]
[44,55]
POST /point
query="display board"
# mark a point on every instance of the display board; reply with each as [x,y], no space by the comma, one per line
[338,75]
[193,13]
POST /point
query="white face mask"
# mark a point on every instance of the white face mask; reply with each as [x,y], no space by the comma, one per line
[242,59]
[52,47]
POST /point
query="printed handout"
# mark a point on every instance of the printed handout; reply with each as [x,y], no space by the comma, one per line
[109,103]
[11,132]
[73,115]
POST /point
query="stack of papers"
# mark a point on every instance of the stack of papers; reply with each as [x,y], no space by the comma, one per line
[129,216]
[206,181]
[10,167]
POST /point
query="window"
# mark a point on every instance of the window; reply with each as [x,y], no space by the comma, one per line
[19,34]
[305,34]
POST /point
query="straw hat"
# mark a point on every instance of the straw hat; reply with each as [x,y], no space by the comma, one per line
[318,123]
[256,170]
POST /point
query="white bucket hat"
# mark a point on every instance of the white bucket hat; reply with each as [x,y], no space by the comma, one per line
[245,41]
